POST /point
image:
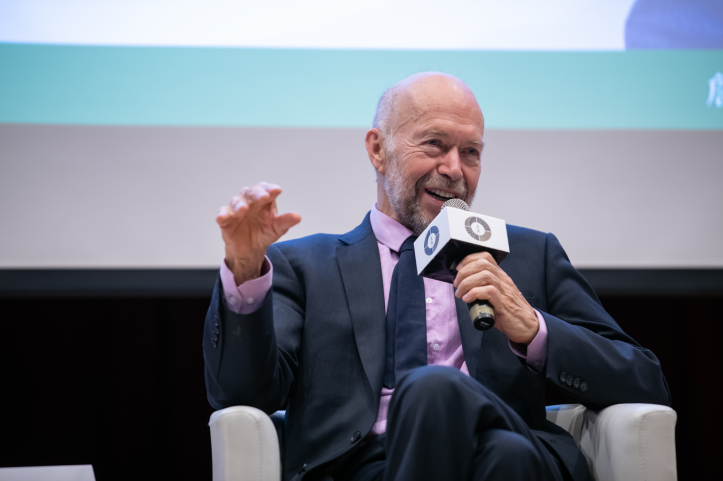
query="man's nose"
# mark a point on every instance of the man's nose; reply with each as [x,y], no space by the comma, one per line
[450,165]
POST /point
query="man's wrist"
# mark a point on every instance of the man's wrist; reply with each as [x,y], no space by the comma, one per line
[247,268]
[249,296]
[535,354]
[536,329]
[532,321]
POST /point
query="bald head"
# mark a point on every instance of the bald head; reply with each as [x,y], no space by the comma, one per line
[410,98]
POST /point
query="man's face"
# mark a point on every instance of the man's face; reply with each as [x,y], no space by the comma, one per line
[434,156]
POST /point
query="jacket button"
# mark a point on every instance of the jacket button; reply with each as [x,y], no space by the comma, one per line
[563,376]
[583,387]
[303,468]
[569,380]
[355,437]
[576,383]
[215,344]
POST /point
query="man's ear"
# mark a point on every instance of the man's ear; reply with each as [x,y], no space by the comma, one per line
[375,149]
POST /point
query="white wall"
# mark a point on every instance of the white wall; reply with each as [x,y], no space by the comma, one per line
[75,196]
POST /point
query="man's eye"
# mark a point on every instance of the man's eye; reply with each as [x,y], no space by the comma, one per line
[433,142]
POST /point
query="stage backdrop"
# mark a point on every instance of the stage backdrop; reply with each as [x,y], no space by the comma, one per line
[124,125]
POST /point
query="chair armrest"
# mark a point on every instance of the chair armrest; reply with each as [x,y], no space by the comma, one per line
[624,442]
[244,445]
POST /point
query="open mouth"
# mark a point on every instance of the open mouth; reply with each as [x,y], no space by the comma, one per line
[440,195]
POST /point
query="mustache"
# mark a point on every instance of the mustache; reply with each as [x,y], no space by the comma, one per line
[433,180]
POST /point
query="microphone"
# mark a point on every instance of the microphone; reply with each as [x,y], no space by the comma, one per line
[453,235]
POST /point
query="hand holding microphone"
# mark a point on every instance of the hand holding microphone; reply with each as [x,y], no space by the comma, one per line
[464,249]
[461,233]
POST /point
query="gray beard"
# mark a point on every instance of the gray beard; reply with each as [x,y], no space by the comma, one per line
[405,201]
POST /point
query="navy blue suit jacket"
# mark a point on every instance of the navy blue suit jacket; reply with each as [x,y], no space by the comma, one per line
[316,346]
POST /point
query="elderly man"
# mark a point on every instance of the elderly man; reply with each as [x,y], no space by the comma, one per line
[363,403]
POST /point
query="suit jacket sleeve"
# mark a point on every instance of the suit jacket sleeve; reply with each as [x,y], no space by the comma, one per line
[248,361]
[606,365]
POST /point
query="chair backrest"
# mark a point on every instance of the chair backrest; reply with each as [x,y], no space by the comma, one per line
[244,445]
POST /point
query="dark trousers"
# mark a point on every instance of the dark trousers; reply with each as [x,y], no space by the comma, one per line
[443,425]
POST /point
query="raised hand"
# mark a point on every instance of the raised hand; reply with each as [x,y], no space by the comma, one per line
[249,225]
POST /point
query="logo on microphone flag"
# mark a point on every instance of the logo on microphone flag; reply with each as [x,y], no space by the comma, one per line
[431,241]
[477,228]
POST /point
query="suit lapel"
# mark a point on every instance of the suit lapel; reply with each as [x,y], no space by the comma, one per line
[361,273]
[471,337]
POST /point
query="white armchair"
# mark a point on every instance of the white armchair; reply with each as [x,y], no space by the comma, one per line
[625,442]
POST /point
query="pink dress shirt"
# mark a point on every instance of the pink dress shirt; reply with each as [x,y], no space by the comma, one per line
[444,345]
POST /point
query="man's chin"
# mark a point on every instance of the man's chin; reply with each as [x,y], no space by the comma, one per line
[418,220]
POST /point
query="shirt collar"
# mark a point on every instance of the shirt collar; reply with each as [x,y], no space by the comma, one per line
[387,230]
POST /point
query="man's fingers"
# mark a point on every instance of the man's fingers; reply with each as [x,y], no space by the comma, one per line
[477,279]
[273,192]
[476,257]
[260,196]
[476,265]
[485,293]
[254,194]
[238,207]
[227,214]
[264,191]
[284,222]
[481,264]
[271,188]
[251,200]
[224,216]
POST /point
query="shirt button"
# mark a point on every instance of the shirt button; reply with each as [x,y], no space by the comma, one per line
[435,346]
[249,300]
[429,300]
[233,300]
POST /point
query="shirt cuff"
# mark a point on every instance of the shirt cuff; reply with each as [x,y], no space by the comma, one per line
[249,296]
[536,353]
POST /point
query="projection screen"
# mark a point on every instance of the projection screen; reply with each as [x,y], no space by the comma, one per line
[124,126]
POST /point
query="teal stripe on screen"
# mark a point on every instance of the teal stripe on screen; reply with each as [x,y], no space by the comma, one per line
[179,86]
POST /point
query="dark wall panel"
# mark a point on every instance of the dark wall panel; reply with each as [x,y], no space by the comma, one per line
[685,333]
[118,382]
